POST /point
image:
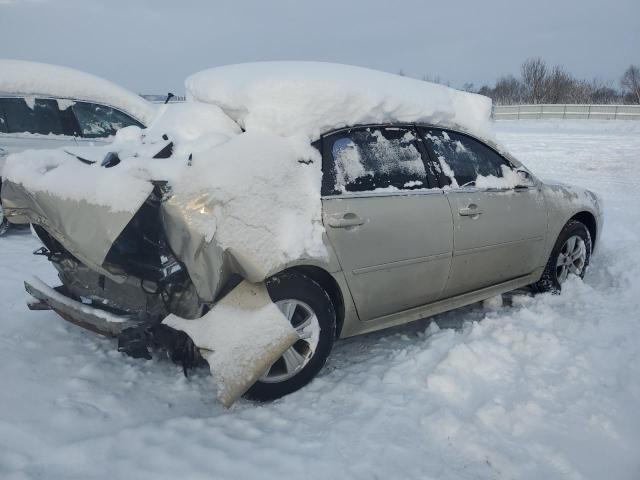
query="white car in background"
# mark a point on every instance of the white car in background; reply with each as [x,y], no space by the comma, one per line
[49,106]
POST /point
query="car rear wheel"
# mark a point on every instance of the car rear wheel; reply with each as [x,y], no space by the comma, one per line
[4,223]
[310,310]
[570,256]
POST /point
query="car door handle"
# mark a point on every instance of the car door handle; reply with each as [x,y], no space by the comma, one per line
[470,211]
[3,152]
[345,220]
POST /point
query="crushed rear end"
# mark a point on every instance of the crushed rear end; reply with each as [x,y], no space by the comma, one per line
[121,278]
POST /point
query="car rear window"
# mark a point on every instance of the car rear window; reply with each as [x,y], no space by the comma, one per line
[31,116]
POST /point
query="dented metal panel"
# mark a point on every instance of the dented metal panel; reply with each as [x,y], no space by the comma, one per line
[86,230]
[206,262]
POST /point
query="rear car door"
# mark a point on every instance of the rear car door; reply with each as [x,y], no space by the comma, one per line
[500,220]
[388,223]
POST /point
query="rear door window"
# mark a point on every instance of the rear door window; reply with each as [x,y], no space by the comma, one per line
[373,158]
[99,121]
[40,116]
[462,159]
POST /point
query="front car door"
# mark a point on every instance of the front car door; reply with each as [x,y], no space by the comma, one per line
[500,220]
[98,123]
[389,225]
[32,123]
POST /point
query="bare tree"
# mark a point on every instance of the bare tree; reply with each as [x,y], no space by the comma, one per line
[560,87]
[508,90]
[540,84]
[630,81]
[534,78]
[602,93]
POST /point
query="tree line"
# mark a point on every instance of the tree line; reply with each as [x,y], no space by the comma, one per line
[539,83]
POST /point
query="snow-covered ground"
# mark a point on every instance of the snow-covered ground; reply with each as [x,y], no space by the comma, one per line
[545,387]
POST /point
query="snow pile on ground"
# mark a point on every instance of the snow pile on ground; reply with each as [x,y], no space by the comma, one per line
[32,79]
[537,387]
[310,98]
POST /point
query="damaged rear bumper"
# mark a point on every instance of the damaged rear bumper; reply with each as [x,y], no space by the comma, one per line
[86,316]
[240,337]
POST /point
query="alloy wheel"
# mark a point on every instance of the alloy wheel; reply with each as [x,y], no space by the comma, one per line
[571,258]
[296,357]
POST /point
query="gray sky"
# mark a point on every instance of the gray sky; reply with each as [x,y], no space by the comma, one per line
[150,46]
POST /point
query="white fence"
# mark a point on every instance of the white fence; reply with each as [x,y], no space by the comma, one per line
[544,111]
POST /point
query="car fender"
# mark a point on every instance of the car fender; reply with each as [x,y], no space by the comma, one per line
[565,202]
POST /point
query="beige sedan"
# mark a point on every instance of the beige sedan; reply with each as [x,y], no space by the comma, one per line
[419,220]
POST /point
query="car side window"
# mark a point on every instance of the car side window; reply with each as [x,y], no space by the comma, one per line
[98,121]
[31,116]
[462,159]
[366,159]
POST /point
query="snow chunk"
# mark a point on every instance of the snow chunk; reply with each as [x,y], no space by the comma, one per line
[40,79]
[186,122]
[240,338]
[61,174]
[258,199]
[510,179]
[310,98]
[64,103]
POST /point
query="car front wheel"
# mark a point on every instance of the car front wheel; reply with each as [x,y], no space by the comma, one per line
[570,256]
[310,310]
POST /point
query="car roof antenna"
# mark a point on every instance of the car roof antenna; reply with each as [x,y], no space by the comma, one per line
[169,97]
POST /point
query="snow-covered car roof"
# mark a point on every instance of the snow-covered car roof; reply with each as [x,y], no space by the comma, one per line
[310,98]
[18,77]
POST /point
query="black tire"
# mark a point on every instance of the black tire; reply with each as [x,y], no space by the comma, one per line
[549,281]
[295,286]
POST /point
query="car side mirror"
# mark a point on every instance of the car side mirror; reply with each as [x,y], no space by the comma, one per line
[525,178]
